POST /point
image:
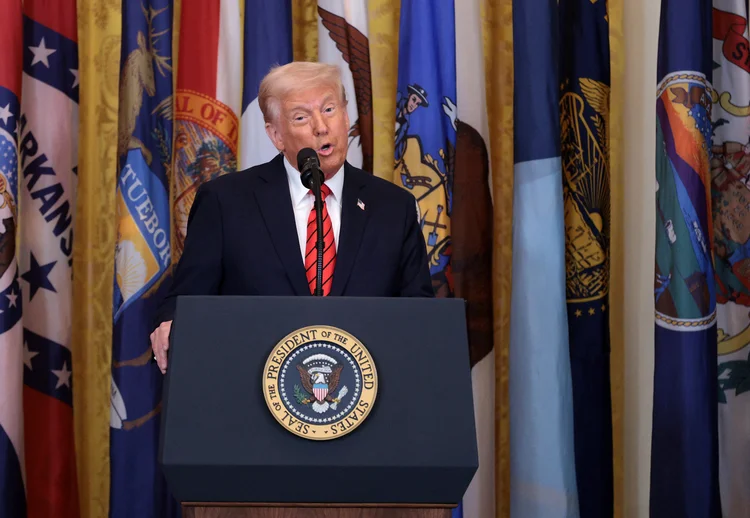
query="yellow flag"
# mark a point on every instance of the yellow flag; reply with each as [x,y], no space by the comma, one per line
[617,281]
[383,19]
[498,55]
[305,30]
[99,25]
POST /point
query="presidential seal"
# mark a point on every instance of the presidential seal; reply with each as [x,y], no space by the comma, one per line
[320,382]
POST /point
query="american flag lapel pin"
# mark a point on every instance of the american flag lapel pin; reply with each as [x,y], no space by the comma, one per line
[360,204]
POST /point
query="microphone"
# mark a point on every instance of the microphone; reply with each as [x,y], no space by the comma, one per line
[308,165]
[311,176]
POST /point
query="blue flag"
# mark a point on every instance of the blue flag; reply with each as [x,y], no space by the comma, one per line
[425,140]
[541,420]
[267,42]
[684,456]
[142,258]
[584,140]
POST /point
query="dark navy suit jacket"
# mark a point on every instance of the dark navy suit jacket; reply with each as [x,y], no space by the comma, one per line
[242,240]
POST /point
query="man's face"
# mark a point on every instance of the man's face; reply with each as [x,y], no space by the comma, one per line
[315,118]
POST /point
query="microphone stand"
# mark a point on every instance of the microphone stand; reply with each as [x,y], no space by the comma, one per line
[316,182]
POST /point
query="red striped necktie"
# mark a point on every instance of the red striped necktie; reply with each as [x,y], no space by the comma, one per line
[311,253]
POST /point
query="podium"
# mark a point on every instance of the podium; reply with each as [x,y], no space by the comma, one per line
[318,407]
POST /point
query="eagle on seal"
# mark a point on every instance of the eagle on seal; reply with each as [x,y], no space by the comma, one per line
[320,388]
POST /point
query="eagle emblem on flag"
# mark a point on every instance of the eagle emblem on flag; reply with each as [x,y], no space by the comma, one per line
[354,47]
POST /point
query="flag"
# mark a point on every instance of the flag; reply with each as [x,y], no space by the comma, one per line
[49,163]
[584,146]
[342,41]
[207,102]
[142,258]
[543,483]
[12,355]
[684,446]
[471,244]
[267,42]
[425,141]
[730,173]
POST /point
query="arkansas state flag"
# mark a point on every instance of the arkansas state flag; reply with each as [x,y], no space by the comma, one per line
[12,491]
[48,160]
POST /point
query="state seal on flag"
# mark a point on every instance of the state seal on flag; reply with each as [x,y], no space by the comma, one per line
[320,382]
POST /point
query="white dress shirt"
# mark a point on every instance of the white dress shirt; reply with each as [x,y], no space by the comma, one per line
[303,201]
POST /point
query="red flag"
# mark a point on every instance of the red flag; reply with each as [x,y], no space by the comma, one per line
[207,102]
[12,477]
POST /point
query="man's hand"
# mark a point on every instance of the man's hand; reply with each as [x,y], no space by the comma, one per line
[160,344]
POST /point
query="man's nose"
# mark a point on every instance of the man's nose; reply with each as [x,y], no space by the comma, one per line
[320,126]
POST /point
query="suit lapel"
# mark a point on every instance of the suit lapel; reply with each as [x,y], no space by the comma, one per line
[275,205]
[353,220]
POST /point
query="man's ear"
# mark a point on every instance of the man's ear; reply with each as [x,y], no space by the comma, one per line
[275,136]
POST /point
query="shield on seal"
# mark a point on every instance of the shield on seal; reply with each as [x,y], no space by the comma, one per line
[320,390]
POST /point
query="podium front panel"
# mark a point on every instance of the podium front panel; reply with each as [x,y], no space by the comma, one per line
[221,443]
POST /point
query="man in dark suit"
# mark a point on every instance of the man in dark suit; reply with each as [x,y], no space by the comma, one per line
[253,232]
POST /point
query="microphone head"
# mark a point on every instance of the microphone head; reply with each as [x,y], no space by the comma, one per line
[308,164]
[307,157]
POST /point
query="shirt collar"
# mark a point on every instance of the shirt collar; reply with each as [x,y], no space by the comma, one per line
[299,191]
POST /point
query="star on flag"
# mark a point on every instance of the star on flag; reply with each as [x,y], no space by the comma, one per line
[41,54]
[38,276]
[63,376]
[5,113]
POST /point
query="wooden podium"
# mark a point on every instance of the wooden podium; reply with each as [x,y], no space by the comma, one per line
[224,453]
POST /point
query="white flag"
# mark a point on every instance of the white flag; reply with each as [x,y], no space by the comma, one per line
[342,41]
[730,171]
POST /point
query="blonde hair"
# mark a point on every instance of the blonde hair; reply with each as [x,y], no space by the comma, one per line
[294,77]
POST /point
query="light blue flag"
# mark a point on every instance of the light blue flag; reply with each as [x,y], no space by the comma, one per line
[543,478]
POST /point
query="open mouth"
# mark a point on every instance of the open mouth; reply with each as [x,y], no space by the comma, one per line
[325,149]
